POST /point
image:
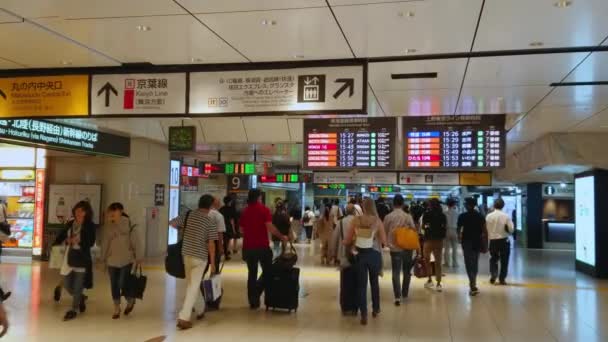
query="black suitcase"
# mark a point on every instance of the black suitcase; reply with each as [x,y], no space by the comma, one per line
[348,291]
[282,289]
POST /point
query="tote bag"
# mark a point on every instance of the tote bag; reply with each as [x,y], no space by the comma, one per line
[174,261]
[56,257]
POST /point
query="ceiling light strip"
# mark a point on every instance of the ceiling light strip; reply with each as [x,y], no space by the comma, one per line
[576,84]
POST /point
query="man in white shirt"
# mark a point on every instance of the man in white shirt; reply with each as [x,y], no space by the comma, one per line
[450,246]
[500,227]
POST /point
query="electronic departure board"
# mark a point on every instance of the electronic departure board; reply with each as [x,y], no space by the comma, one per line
[454,141]
[349,143]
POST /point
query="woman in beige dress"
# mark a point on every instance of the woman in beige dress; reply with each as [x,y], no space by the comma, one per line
[323,233]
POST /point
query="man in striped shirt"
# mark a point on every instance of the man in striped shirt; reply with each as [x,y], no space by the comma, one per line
[199,231]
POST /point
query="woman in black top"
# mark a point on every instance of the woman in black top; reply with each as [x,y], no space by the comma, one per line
[280,219]
[230,216]
[77,268]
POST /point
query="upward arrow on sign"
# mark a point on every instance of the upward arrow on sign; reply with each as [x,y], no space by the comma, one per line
[107,88]
[2,94]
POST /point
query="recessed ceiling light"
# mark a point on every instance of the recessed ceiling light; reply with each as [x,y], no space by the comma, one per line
[410,51]
[563,4]
[269,22]
[537,44]
[406,14]
[66,62]
[143,28]
[196,60]
[298,56]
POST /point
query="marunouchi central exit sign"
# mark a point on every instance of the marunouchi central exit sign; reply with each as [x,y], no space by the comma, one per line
[44,96]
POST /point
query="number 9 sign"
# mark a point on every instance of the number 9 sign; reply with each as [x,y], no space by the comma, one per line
[236,183]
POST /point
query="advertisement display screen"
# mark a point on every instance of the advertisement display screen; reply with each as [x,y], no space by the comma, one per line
[454,141]
[584,202]
[350,143]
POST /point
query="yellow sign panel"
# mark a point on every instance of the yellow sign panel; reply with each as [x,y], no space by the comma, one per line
[476,178]
[16,174]
[22,97]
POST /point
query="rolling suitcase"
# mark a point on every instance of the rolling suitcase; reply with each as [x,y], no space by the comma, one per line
[282,289]
[348,291]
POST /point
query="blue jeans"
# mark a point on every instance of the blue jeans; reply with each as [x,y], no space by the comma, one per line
[74,284]
[401,261]
[118,276]
[369,263]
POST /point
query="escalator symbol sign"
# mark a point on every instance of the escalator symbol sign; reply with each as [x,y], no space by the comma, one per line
[311,88]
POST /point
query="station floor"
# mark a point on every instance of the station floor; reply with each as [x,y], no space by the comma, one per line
[546,301]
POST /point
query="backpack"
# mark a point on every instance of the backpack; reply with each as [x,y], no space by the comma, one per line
[306,218]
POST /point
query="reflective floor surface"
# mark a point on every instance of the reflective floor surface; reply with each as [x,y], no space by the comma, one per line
[546,301]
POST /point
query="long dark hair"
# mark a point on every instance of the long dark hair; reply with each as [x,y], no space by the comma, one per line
[253,196]
[86,207]
[326,213]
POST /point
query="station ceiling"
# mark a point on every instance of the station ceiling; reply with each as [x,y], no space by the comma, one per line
[75,33]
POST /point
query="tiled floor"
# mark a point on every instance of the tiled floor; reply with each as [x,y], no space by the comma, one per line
[547,301]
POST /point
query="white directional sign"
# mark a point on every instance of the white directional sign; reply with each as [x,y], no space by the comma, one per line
[332,89]
[431,178]
[128,94]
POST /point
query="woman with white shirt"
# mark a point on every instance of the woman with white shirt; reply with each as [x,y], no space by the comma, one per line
[368,236]
[78,237]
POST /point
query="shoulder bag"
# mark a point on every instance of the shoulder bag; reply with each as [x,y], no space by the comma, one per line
[174,261]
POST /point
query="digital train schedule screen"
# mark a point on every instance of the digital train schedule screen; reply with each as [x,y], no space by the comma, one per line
[454,141]
[349,143]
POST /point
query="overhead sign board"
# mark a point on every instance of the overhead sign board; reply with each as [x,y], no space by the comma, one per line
[325,89]
[137,94]
[454,141]
[350,143]
[65,137]
[44,96]
[357,178]
[435,178]
[476,178]
[558,190]
[182,138]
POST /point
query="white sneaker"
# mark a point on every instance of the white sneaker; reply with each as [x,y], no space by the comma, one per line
[429,285]
[439,288]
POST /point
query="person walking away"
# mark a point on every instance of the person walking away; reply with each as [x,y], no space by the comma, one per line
[500,227]
[220,223]
[336,212]
[280,219]
[199,231]
[338,235]
[256,224]
[382,208]
[367,233]
[401,260]
[435,230]
[296,222]
[229,213]
[451,240]
[77,272]
[472,227]
[120,249]
[323,233]
[308,220]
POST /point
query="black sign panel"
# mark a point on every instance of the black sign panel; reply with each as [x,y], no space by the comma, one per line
[349,143]
[182,138]
[454,141]
[65,137]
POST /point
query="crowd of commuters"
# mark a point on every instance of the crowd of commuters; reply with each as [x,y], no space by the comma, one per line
[353,236]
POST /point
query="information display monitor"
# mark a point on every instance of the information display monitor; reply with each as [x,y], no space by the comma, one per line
[454,141]
[349,143]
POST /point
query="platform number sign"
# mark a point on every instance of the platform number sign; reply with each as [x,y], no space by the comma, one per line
[238,183]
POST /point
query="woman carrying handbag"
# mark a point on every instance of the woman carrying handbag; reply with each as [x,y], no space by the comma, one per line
[120,250]
[77,267]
